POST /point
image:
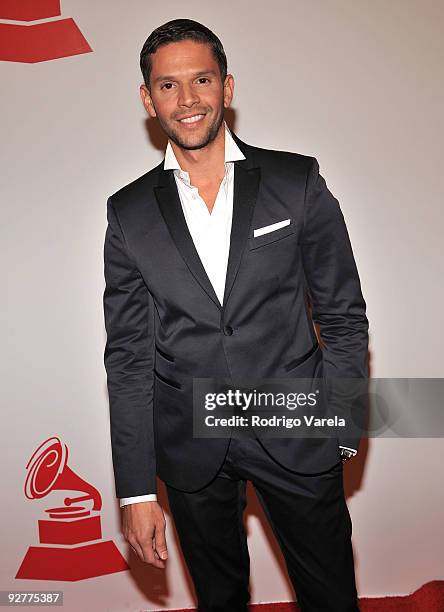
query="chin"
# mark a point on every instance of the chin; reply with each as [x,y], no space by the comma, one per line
[193,141]
[195,145]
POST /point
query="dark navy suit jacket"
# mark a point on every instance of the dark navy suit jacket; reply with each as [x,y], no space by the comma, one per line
[165,324]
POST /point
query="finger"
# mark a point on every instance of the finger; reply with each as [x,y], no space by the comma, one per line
[137,549]
[150,557]
[160,545]
[146,555]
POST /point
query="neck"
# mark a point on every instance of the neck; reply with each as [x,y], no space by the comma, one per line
[206,162]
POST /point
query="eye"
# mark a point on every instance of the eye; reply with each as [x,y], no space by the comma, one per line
[165,85]
[203,79]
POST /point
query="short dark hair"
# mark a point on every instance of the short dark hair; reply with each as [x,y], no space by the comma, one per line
[174,31]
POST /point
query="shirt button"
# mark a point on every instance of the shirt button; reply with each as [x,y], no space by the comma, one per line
[228,330]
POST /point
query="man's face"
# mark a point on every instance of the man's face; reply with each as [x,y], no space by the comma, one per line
[186,83]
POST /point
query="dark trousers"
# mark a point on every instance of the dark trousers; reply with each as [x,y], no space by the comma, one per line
[308,514]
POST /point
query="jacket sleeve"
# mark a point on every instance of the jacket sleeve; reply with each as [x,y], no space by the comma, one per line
[129,362]
[334,288]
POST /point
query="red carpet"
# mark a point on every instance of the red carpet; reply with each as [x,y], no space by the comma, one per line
[428,598]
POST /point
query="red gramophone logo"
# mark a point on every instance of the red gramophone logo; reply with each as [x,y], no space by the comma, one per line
[37,42]
[69,548]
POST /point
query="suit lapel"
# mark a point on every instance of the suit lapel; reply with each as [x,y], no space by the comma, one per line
[246,184]
[171,209]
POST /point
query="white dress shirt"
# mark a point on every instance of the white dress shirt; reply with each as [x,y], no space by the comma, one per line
[210,232]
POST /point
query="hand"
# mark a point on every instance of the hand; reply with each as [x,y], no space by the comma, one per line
[144,529]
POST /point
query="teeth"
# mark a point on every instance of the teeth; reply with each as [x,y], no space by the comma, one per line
[191,119]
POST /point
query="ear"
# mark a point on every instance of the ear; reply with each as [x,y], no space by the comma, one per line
[146,99]
[228,90]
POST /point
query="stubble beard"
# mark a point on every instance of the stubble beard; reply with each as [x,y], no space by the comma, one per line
[208,137]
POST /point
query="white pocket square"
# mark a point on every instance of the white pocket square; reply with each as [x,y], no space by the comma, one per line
[270,228]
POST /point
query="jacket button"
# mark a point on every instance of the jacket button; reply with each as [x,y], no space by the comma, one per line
[228,330]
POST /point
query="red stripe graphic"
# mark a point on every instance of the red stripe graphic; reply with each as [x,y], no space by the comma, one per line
[41,42]
[28,10]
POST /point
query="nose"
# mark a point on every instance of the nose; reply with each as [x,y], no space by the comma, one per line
[187,96]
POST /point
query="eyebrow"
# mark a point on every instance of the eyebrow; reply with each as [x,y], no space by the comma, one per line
[173,78]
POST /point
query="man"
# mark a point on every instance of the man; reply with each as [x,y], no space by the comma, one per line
[210,259]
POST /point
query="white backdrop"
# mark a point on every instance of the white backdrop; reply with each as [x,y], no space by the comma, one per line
[358,85]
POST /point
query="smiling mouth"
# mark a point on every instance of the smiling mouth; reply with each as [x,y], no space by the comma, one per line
[193,119]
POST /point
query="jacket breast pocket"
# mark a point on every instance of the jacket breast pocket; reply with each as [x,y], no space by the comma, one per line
[271,237]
